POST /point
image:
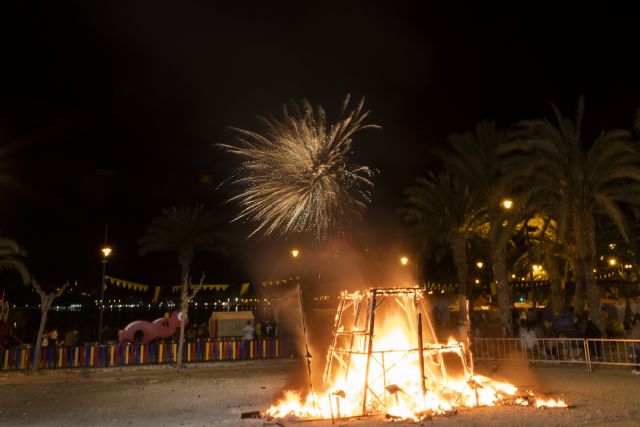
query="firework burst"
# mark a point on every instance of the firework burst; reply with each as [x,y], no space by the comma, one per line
[296,176]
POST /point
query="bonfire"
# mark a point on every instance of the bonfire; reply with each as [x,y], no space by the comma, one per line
[385,359]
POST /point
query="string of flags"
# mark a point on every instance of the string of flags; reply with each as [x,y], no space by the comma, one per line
[289,279]
[139,287]
[452,287]
[125,284]
[217,287]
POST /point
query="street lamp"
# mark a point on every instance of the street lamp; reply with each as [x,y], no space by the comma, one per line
[507,203]
[405,261]
[295,253]
[106,251]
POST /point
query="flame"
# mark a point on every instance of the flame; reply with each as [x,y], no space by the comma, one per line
[550,403]
[394,386]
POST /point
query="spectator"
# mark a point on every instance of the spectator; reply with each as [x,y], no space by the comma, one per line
[528,334]
[591,331]
[71,338]
[249,331]
[45,340]
[268,328]
[53,337]
[634,334]
[201,330]
[4,335]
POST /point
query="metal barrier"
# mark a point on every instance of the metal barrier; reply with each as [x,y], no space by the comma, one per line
[108,355]
[498,349]
[613,352]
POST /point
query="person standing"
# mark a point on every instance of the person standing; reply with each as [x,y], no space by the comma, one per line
[71,338]
[53,337]
[634,334]
[249,331]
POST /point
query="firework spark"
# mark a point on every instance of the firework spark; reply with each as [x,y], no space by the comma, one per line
[296,176]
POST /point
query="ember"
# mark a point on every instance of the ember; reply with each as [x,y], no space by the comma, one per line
[385,358]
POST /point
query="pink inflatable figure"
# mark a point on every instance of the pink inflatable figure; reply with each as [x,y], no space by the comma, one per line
[163,327]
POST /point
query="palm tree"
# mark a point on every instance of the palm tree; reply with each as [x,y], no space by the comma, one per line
[472,158]
[183,230]
[547,250]
[11,255]
[582,182]
[442,210]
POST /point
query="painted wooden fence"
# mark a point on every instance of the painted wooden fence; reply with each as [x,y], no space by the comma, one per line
[102,356]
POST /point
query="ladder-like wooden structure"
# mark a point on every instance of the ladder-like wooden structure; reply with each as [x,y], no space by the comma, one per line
[354,334]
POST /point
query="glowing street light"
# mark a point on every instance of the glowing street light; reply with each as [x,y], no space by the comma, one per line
[612,261]
[479,264]
[404,260]
[507,203]
[295,253]
[106,251]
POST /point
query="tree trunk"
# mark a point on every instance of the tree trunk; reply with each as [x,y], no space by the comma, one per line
[555,282]
[581,265]
[579,291]
[44,311]
[184,309]
[591,285]
[499,262]
[457,244]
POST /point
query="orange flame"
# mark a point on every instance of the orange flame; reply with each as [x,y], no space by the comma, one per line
[394,386]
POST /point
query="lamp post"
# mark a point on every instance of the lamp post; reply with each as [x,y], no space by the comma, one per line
[106,251]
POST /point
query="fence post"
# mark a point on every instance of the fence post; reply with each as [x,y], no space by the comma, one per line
[587,355]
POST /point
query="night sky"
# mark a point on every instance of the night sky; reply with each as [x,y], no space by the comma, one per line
[108,110]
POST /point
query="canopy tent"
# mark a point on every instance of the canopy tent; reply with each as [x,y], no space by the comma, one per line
[229,323]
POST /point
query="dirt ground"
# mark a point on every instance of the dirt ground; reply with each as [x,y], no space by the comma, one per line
[216,394]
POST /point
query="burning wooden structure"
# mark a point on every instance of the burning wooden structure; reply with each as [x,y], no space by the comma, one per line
[385,358]
[386,380]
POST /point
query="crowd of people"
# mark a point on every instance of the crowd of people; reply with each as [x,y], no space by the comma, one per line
[535,327]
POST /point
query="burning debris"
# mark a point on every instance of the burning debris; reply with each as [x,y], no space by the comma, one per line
[385,358]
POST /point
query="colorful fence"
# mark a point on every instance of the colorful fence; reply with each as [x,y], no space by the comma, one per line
[101,356]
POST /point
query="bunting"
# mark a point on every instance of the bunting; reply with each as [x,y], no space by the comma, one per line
[289,279]
[126,284]
[245,289]
[112,281]
[156,294]
[216,287]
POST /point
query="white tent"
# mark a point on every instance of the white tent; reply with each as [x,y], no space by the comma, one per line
[229,323]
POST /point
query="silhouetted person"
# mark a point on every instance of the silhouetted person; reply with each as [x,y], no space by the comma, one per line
[591,331]
[634,334]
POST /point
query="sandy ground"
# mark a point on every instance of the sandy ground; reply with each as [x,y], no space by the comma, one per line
[216,394]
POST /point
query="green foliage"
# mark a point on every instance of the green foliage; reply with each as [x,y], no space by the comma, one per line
[11,259]
[183,230]
[573,179]
[441,207]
